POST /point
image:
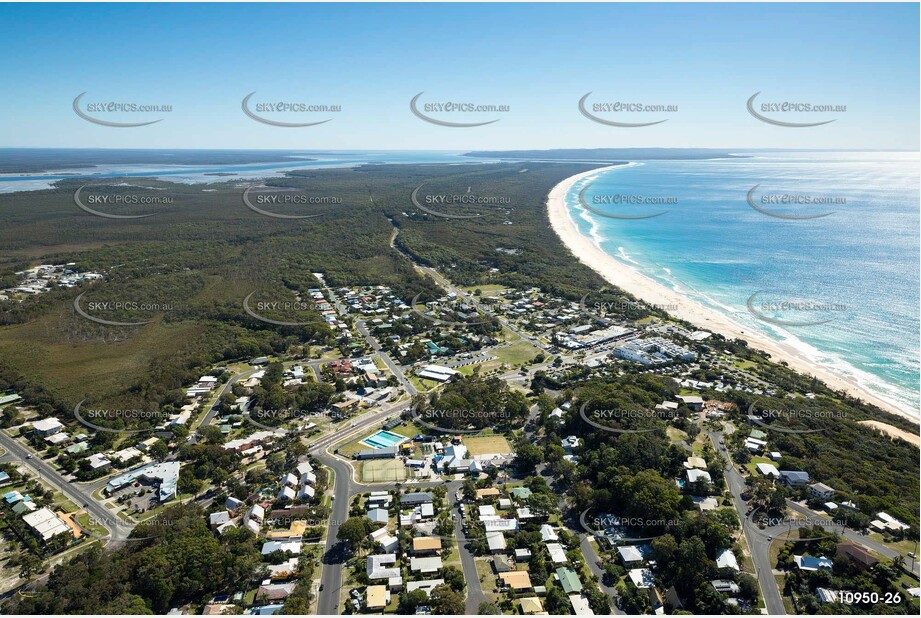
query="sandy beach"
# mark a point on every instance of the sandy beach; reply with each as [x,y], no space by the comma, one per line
[641,286]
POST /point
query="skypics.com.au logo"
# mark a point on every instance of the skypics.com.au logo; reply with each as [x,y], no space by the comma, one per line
[619,200]
[272,201]
[437,112]
[459,420]
[286,109]
[605,112]
[100,111]
[280,311]
[436,203]
[794,418]
[791,109]
[768,204]
[625,420]
[792,310]
[91,417]
[94,310]
[97,202]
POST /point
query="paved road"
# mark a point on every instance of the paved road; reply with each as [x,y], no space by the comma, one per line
[80,496]
[592,560]
[475,594]
[758,542]
[227,385]
[337,553]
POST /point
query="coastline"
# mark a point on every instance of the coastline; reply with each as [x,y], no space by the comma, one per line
[644,288]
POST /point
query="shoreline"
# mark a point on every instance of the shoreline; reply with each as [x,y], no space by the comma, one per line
[642,287]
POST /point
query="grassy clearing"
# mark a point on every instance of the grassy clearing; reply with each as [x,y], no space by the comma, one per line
[516,354]
[486,445]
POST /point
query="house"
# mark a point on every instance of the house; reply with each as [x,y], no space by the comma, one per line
[725,559]
[516,580]
[501,564]
[386,540]
[824,595]
[694,475]
[811,563]
[378,566]
[531,606]
[766,469]
[255,513]
[580,605]
[696,462]
[694,402]
[856,554]
[547,533]
[26,506]
[283,546]
[642,578]
[890,522]
[821,491]
[47,426]
[275,592]
[423,545]
[4,478]
[557,554]
[378,516]
[707,503]
[520,493]
[495,541]
[45,524]
[487,492]
[425,565]
[219,518]
[425,585]
[569,580]
[522,554]
[486,511]
[377,597]
[725,586]
[633,555]
[775,456]
[500,525]
[286,494]
[416,498]
[757,434]
[794,478]
[755,445]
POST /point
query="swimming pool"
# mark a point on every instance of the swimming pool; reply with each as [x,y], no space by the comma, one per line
[384,439]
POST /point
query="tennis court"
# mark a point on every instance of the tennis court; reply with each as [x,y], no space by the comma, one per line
[383,470]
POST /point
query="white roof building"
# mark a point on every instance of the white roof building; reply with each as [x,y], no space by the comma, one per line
[725,559]
[557,554]
[45,523]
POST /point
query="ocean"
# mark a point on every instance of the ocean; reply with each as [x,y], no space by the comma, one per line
[818,250]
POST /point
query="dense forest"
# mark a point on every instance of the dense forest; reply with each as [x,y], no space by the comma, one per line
[175,565]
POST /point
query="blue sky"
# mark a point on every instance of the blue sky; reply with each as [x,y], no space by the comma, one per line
[371,59]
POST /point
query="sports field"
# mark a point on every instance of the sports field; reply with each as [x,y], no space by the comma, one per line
[383,470]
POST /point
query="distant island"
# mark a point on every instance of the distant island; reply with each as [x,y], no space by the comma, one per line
[37,160]
[607,155]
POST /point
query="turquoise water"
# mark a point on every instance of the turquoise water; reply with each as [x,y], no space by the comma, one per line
[861,262]
[384,439]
